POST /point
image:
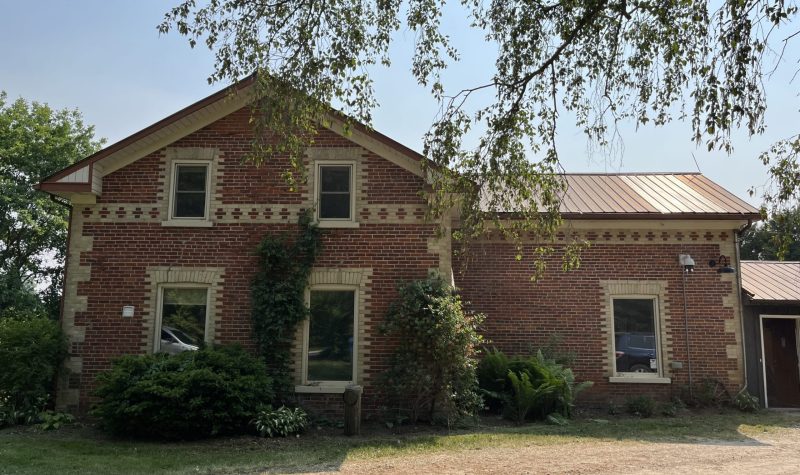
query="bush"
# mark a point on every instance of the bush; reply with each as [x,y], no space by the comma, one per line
[542,372]
[281,422]
[31,351]
[190,395]
[492,375]
[49,420]
[642,406]
[707,393]
[746,402]
[432,373]
[525,395]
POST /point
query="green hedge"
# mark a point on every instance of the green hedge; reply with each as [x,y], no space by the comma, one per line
[190,395]
[31,351]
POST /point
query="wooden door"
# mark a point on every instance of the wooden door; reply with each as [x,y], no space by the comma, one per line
[781,362]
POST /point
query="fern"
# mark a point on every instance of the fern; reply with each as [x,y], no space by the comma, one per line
[525,396]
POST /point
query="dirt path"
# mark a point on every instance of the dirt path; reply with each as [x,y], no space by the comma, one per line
[773,453]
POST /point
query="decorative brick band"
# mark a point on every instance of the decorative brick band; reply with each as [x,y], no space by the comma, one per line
[248,213]
[628,236]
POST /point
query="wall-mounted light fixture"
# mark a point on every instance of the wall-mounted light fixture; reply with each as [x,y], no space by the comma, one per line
[687,262]
[723,265]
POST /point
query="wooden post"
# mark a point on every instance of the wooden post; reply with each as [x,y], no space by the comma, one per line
[352,410]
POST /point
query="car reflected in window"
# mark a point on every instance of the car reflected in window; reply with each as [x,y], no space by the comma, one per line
[174,341]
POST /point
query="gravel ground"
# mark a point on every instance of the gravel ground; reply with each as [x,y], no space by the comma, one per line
[776,452]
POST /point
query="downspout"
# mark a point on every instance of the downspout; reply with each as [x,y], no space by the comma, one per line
[736,242]
[686,331]
[68,205]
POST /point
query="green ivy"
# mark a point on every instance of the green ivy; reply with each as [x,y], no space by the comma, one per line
[278,295]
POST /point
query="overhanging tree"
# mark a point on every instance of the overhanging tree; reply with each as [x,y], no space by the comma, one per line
[35,141]
[603,61]
[777,238]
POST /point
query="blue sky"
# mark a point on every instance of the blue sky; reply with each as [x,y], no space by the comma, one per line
[107,59]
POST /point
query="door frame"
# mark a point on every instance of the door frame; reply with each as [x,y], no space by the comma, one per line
[763,355]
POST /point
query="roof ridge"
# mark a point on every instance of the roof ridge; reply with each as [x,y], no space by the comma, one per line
[758,261]
[629,173]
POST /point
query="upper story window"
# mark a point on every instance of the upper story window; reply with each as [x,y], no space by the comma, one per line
[335,198]
[190,191]
[636,348]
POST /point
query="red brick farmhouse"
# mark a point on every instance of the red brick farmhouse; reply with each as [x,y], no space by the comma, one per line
[164,225]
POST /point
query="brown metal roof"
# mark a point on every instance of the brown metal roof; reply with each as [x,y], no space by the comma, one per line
[683,195]
[772,280]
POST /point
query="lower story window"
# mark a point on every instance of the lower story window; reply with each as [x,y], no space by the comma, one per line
[635,336]
[329,355]
[183,319]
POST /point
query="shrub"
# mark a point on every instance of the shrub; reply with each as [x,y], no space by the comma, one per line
[49,420]
[190,395]
[642,406]
[708,393]
[542,371]
[432,373]
[668,409]
[31,350]
[10,414]
[745,402]
[492,374]
[525,395]
[281,422]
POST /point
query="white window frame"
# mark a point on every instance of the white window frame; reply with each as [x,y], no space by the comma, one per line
[629,377]
[182,221]
[160,310]
[335,222]
[328,386]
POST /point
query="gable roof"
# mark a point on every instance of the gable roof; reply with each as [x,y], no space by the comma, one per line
[85,176]
[772,281]
[658,195]
[589,196]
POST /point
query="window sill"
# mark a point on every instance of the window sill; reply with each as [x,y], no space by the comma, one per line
[189,223]
[639,380]
[338,224]
[322,388]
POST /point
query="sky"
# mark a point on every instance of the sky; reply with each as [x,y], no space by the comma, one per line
[107,59]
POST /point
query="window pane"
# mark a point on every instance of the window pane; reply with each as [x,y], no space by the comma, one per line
[191,178]
[190,204]
[334,178]
[183,319]
[635,336]
[334,205]
[330,336]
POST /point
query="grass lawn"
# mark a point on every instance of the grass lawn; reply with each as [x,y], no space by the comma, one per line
[84,450]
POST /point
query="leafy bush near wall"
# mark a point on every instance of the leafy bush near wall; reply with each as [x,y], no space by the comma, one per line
[432,372]
[281,422]
[552,383]
[31,351]
[190,395]
[642,406]
[278,296]
[745,402]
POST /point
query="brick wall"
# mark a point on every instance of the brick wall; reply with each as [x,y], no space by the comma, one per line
[523,314]
[119,244]
[119,250]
